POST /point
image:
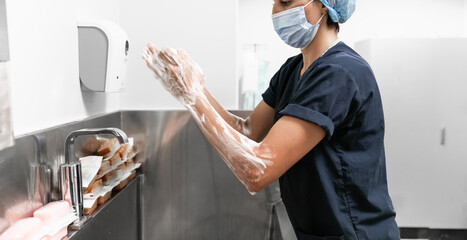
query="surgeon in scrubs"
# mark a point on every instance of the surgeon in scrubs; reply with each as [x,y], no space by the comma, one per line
[319,128]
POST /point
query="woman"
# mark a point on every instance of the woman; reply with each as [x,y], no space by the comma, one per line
[319,128]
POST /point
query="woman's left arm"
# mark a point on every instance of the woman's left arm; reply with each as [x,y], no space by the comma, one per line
[290,139]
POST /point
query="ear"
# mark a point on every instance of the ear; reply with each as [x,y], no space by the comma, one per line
[324,9]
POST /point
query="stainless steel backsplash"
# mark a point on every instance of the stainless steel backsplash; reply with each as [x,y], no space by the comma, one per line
[20,183]
[188,191]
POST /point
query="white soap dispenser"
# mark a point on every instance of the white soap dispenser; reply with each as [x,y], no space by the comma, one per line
[103,55]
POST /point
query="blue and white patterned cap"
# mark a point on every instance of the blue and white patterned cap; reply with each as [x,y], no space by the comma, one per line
[340,10]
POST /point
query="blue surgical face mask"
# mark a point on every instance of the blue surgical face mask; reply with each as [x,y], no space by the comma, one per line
[293,28]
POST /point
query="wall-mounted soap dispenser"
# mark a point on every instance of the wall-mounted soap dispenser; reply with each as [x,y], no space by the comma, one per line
[103,56]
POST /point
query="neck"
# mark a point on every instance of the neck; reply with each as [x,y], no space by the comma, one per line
[324,38]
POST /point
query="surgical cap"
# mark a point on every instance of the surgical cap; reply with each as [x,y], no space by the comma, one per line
[340,10]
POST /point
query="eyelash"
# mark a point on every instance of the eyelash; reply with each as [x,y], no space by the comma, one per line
[285,3]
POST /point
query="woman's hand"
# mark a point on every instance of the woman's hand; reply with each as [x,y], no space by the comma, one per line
[177,72]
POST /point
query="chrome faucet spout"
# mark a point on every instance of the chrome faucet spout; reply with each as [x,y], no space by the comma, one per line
[70,139]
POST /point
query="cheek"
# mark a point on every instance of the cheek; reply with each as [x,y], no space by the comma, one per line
[274,9]
[312,14]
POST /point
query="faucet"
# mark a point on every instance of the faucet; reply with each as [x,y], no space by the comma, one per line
[70,171]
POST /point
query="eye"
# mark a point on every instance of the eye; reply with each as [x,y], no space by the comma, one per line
[285,3]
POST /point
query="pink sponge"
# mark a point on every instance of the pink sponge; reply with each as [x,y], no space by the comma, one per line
[53,211]
[21,229]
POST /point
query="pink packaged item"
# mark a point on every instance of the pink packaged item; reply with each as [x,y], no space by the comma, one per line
[4,224]
[53,211]
[57,236]
[22,229]
[56,217]
[49,222]
[21,210]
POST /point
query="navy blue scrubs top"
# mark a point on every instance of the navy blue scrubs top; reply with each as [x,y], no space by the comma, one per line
[339,189]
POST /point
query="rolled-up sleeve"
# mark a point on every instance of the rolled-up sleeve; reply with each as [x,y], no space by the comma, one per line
[324,98]
[270,96]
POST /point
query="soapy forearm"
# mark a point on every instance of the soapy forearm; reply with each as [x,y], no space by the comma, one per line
[247,159]
[238,123]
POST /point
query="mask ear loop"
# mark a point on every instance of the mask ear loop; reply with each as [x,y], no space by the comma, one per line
[320,18]
[321,15]
[308,4]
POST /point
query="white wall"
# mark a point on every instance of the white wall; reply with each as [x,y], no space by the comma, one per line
[205,29]
[465,20]
[44,64]
[372,19]
[255,27]
[405,19]
[44,55]
[44,52]
[100,9]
